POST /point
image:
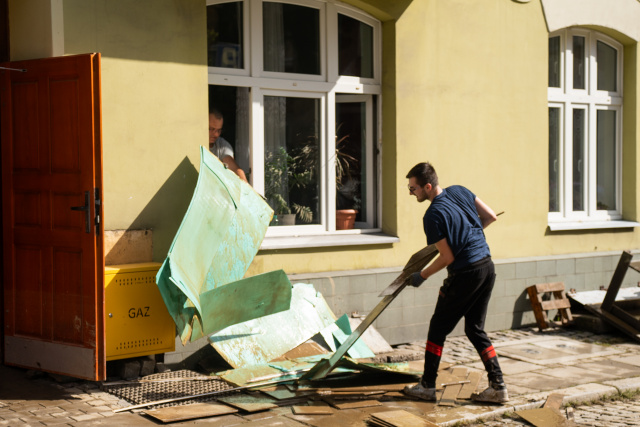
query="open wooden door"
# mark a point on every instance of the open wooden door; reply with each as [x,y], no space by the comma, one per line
[51,209]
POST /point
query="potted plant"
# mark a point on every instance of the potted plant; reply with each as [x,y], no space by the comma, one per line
[284,173]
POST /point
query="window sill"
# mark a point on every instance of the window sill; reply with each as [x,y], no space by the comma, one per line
[591,225]
[327,240]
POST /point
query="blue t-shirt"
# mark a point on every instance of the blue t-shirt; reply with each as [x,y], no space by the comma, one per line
[453,215]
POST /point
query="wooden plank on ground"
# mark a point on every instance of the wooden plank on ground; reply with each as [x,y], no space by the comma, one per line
[474,378]
[189,412]
[280,393]
[554,401]
[356,404]
[399,419]
[545,417]
[449,395]
[312,410]
[248,402]
[460,372]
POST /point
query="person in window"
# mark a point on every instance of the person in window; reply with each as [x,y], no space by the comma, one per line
[454,222]
[220,146]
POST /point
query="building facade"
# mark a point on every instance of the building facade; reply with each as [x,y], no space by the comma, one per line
[530,104]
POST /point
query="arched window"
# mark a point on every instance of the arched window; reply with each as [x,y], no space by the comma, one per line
[298,83]
[585,126]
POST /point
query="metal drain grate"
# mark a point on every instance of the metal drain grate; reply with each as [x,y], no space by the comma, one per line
[169,385]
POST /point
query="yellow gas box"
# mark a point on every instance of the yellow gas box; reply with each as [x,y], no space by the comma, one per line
[137,322]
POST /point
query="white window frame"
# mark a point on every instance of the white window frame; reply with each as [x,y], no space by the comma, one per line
[328,86]
[369,219]
[246,59]
[566,98]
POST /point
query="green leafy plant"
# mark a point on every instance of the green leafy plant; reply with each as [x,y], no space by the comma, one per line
[284,173]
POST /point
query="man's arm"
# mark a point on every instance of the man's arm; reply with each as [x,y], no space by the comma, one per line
[444,258]
[486,214]
[231,164]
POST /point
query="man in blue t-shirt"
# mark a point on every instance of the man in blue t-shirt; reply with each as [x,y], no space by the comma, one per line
[454,222]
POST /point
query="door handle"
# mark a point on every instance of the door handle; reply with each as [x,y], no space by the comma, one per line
[87,212]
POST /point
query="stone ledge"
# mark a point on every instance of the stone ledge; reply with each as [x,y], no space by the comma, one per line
[625,384]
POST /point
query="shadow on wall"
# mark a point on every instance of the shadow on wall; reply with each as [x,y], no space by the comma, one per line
[520,308]
[158,222]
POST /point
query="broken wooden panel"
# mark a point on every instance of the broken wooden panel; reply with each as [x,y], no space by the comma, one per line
[613,313]
[355,404]
[371,337]
[307,349]
[416,263]
[396,368]
[287,369]
[469,388]
[189,412]
[315,409]
[258,341]
[217,240]
[249,402]
[341,331]
[544,417]
[616,280]
[244,300]
[554,401]
[449,395]
[399,418]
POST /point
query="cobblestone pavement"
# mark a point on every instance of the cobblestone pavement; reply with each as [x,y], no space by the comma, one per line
[609,414]
[43,401]
[458,350]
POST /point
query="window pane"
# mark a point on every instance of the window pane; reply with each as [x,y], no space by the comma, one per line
[578,159]
[554,160]
[351,160]
[234,103]
[554,61]
[292,158]
[291,38]
[355,46]
[578,63]
[606,160]
[224,35]
[607,67]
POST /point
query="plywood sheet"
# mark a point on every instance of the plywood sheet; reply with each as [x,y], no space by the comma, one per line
[545,417]
[474,378]
[258,341]
[356,404]
[400,419]
[189,412]
[312,410]
[450,394]
[554,400]
[249,402]
[224,226]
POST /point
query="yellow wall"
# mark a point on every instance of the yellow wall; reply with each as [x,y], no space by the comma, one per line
[154,105]
[36,29]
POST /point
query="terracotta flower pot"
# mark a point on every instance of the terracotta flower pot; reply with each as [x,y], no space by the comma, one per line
[345,218]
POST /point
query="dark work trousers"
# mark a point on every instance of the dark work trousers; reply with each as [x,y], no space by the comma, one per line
[464,293]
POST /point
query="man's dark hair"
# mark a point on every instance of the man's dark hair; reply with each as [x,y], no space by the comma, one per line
[424,174]
[216,113]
